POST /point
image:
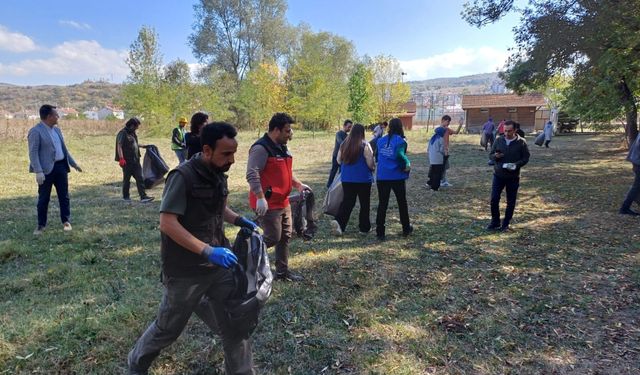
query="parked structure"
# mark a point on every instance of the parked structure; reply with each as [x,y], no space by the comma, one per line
[519,108]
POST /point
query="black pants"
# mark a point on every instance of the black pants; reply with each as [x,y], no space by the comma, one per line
[634,191]
[499,184]
[363,192]
[546,143]
[384,191]
[435,175]
[58,177]
[335,167]
[132,169]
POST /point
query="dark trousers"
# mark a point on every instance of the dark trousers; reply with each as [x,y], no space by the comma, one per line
[499,184]
[490,141]
[546,143]
[435,175]
[353,190]
[384,191]
[634,191]
[183,296]
[58,178]
[335,167]
[132,169]
[277,226]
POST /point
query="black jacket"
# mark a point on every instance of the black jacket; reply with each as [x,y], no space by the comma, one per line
[516,152]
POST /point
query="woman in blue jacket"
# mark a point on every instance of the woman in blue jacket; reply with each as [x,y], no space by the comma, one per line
[355,157]
[393,170]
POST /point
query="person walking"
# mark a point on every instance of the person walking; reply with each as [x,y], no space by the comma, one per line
[435,150]
[510,153]
[488,129]
[128,157]
[355,157]
[392,172]
[192,139]
[633,195]
[178,144]
[548,133]
[50,159]
[270,177]
[341,135]
[195,254]
[445,122]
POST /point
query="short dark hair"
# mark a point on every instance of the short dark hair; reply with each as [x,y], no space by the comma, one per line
[446,118]
[197,120]
[132,122]
[279,120]
[511,123]
[46,110]
[347,122]
[213,131]
[384,123]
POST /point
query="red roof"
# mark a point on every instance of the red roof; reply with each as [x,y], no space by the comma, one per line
[502,100]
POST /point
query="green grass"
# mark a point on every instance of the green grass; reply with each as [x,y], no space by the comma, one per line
[559,294]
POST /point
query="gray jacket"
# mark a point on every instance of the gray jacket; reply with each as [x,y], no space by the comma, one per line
[42,152]
[436,151]
[634,151]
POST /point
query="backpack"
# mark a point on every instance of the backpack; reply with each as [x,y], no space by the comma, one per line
[302,206]
[253,280]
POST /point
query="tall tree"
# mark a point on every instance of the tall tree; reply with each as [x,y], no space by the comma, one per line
[598,42]
[362,104]
[317,76]
[234,35]
[144,59]
[261,94]
[390,92]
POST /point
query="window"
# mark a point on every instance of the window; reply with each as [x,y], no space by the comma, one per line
[512,110]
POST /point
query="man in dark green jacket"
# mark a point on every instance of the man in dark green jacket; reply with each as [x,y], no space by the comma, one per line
[510,153]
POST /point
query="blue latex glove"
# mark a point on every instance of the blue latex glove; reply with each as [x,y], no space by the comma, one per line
[243,222]
[220,255]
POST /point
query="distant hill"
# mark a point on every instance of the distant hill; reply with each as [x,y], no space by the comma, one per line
[473,84]
[82,96]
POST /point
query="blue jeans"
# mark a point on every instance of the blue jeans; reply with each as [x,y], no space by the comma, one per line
[57,178]
[182,155]
[634,191]
[499,184]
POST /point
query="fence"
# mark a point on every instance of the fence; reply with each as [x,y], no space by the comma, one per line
[19,128]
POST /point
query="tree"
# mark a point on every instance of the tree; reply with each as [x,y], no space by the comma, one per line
[145,60]
[317,76]
[177,73]
[261,94]
[362,104]
[597,42]
[390,92]
[234,35]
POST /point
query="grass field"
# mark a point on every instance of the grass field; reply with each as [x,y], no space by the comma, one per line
[559,294]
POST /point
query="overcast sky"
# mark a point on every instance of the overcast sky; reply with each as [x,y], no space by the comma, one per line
[69,41]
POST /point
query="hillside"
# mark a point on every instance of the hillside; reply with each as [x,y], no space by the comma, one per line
[81,96]
[473,84]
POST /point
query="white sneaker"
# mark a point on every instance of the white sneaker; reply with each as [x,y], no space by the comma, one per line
[67,227]
[335,228]
[445,184]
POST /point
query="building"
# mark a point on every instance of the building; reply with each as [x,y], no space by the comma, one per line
[523,109]
[68,112]
[91,114]
[108,111]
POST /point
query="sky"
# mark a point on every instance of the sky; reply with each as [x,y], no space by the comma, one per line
[70,41]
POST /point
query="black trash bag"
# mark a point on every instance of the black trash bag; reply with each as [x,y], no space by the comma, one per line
[153,167]
[253,280]
[302,210]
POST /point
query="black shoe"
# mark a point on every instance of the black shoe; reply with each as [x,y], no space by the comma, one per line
[381,237]
[493,227]
[408,231]
[146,199]
[628,211]
[289,276]
[504,228]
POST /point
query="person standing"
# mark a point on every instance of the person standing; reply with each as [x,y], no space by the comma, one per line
[178,144]
[270,177]
[128,157]
[196,259]
[510,154]
[444,122]
[487,131]
[633,195]
[355,157]
[341,135]
[50,159]
[392,172]
[500,129]
[378,132]
[435,150]
[548,133]
[192,139]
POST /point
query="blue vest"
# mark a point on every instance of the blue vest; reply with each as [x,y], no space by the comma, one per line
[388,164]
[356,172]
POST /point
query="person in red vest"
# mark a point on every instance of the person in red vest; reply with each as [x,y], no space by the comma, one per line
[270,177]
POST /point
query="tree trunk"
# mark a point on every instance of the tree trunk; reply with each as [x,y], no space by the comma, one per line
[631,109]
